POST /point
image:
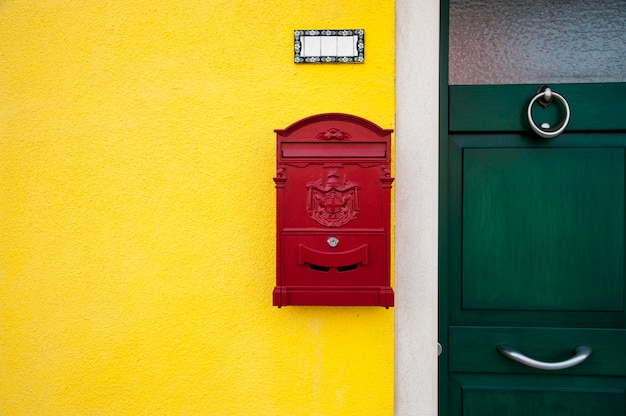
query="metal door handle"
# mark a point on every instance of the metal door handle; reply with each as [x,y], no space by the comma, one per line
[581,354]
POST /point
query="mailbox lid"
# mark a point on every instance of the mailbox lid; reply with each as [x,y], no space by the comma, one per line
[333,136]
[332,126]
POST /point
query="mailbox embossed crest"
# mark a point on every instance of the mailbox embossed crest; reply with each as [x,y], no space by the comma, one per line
[333,193]
[332,202]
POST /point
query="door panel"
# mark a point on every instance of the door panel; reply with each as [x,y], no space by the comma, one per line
[502,108]
[473,349]
[513,395]
[528,400]
[543,229]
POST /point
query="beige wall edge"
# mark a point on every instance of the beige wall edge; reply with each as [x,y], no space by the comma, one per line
[416,206]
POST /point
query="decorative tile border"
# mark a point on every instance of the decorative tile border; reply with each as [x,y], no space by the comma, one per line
[326,46]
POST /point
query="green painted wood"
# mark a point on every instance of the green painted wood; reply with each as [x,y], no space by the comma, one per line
[491,108]
[524,402]
[443,375]
[533,254]
[543,229]
[474,378]
[524,395]
[473,349]
[605,313]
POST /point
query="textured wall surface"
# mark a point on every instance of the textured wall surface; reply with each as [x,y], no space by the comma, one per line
[137,233]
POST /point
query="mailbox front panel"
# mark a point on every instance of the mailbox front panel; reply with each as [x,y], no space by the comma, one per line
[357,259]
[333,199]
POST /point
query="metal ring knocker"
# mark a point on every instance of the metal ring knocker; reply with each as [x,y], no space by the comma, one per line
[544,97]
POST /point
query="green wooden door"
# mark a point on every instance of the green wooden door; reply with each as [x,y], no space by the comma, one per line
[533,252]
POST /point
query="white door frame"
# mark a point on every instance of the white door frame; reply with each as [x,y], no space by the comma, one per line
[416,206]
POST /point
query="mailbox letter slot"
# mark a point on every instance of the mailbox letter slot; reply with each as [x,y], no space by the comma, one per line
[337,260]
[333,195]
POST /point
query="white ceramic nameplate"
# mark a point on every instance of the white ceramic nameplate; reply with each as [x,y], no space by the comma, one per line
[325,46]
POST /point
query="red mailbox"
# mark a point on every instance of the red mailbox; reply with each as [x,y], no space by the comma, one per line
[333,195]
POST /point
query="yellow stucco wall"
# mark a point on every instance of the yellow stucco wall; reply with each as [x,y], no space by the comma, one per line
[137,235]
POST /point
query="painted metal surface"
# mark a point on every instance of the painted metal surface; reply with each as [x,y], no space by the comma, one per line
[333,198]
